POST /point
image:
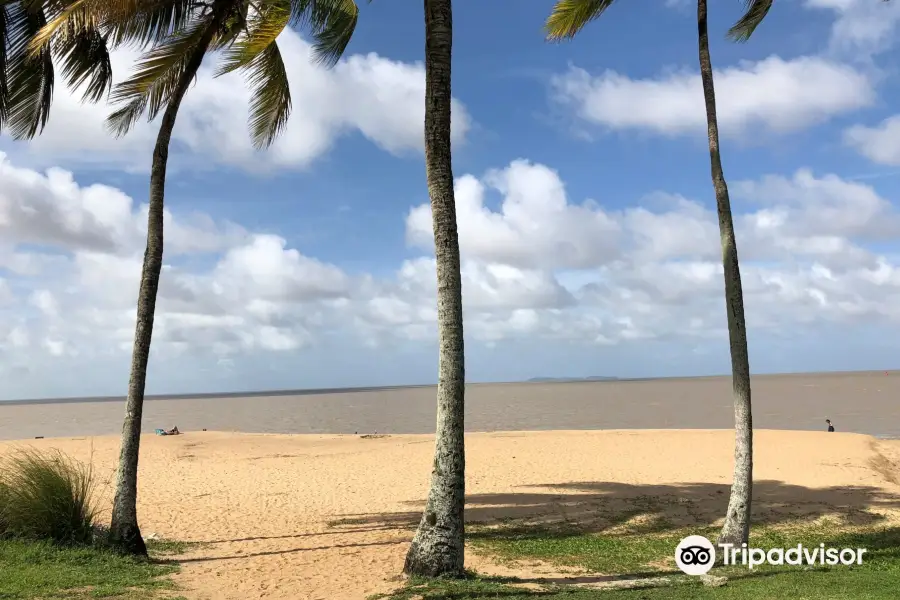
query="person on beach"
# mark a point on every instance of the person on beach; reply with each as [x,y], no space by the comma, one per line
[830,426]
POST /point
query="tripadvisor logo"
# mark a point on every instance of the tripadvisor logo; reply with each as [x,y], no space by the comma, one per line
[696,555]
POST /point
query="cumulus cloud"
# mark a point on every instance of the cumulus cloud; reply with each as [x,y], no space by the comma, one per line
[860,27]
[805,240]
[537,265]
[51,208]
[526,231]
[880,144]
[73,263]
[378,97]
[775,94]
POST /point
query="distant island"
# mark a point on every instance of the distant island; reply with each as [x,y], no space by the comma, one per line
[569,379]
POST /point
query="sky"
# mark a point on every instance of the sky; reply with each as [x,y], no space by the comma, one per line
[586,213]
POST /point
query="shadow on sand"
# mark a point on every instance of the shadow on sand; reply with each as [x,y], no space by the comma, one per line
[577,508]
[860,517]
[596,507]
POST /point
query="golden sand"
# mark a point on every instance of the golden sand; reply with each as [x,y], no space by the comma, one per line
[329,517]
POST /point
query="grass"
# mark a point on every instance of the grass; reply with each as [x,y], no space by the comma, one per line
[38,569]
[646,553]
[801,585]
[50,545]
[47,496]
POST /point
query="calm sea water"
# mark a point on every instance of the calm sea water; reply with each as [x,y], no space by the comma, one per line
[857,402]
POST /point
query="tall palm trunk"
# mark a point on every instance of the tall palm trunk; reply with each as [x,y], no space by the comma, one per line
[438,546]
[737,521]
[124,531]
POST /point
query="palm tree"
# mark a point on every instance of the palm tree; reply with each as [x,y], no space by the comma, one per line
[438,546]
[180,33]
[566,20]
[27,80]
[736,529]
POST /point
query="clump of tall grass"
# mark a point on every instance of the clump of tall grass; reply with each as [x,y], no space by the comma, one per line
[47,496]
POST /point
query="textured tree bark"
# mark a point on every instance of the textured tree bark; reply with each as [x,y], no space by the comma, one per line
[737,520]
[124,534]
[437,549]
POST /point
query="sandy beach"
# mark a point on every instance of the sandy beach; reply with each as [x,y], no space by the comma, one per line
[329,516]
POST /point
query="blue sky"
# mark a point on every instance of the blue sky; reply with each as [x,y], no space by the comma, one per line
[586,212]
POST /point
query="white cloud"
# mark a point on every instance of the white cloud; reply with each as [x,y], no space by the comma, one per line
[775,94]
[535,226]
[380,98]
[267,270]
[880,144]
[45,302]
[51,208]
[861,26]
[807,207]
[536,266]
[78,292]
[639,273]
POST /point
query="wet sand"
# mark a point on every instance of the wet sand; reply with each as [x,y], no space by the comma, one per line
[862,402]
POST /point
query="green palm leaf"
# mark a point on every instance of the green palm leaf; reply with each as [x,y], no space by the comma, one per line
[4,44]
[156,76]
[756,11]
[331,23]
[270,104]
[85,57]
[29,84]
[262,31]
[144,22]
[125,22]
[570,16]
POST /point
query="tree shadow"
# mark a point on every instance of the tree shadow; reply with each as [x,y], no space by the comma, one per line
[883,545]
[200,559]
[849,517]
[597,507]
[258,538]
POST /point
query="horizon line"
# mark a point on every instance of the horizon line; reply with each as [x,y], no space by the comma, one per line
[598,379]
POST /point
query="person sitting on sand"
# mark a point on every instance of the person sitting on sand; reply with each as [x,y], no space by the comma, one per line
[830,426]
[173,431]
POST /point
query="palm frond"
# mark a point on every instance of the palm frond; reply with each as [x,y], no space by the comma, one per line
[63,19]
[756,11]
[570,16]
[86,58]
[270,104]
[73,31]
[331,24]
[262,31]
[134,22]
[29,78]
[4,44]
[235,22]
[144,22]
[155,78]
[121,120]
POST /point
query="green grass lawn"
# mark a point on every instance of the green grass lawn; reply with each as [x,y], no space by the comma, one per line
[32,570]
[647,555]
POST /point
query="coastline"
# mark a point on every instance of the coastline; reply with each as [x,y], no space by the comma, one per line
[248,394]
[855,402]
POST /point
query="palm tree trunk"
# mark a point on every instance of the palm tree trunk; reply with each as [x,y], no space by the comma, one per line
[124,533]
[438,546]
[737,520]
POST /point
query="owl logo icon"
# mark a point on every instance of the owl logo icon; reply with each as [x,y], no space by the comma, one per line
[695,555]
